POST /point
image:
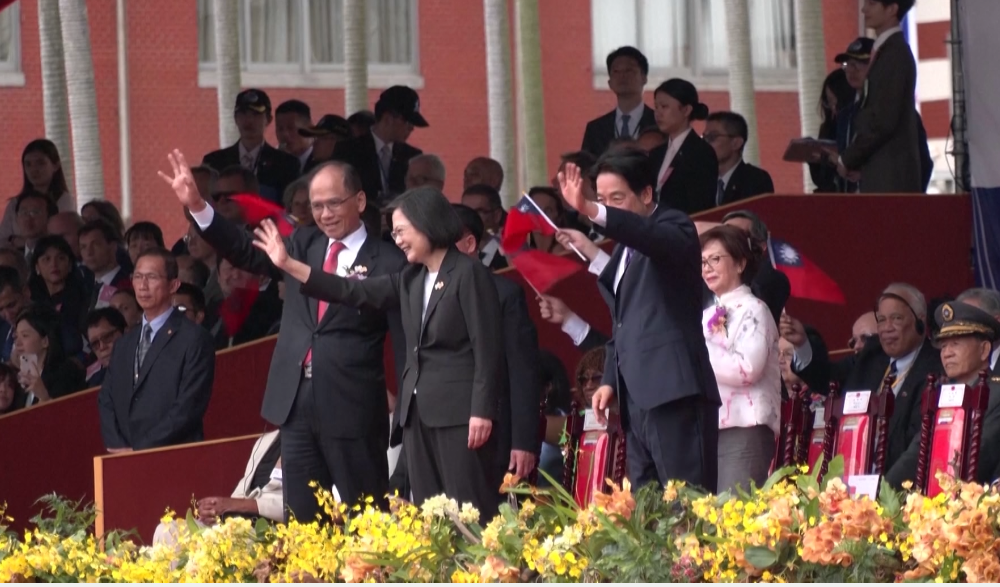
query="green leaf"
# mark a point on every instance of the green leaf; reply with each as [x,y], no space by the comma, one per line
[778,476]
[192,524]
[806,482]
[836,469]
[812,509]
[889,499]
[761,557]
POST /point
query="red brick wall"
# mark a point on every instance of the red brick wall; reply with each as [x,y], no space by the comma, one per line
[168,109]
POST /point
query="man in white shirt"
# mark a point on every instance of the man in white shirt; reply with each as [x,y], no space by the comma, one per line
[98,245]
[628,69]
[289,118]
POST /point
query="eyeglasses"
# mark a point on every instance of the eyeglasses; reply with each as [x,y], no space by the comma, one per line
[593,379]
[711,136]
[712,261]
[863,339]
[147,278]
[105,340]
[30,213]
[331,205]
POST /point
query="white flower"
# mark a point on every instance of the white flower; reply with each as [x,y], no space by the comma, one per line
[439,506]
[469,514]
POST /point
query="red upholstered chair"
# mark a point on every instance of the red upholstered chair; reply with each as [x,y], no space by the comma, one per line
[593,455]
[951,429]
[857,430]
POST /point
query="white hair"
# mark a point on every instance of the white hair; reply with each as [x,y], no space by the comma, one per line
[989,299]
[435,163]
[912,295]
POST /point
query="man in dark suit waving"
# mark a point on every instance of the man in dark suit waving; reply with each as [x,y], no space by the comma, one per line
[326,388]
[657,362]
[627,71]
[274,169]
[160,376]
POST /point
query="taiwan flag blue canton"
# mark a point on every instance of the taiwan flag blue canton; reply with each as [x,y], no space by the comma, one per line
[523,219]
[808,281]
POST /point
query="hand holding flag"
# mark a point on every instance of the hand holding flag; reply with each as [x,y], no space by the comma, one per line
[523,219]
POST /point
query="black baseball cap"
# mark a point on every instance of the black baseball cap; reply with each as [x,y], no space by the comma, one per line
[404,101]
[860,49]
[253,99]
[330,124]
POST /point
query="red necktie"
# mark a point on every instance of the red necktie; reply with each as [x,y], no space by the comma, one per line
[329,266]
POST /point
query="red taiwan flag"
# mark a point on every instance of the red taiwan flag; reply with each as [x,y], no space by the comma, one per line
[523,219]
[807,280]
[543,270]
[256,209]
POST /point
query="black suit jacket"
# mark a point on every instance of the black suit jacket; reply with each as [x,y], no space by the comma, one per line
[519,411]
[275,169]
[348,344]
[166,404]
[602,130]
[771,287]
[454,358]
[747,181]
[360,153]
[866,371]
[657,351]
[693,183]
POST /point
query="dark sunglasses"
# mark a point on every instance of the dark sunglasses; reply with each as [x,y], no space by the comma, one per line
[593,379]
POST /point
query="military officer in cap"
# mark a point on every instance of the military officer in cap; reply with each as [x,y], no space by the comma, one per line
[330,130]
[274,169]
[966,341]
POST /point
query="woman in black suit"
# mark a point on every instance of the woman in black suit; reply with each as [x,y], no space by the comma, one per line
[687,170]
[454,364]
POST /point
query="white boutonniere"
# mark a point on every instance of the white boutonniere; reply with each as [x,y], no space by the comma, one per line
[439,285]
[358,272]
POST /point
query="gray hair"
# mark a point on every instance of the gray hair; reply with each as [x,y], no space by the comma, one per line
[299,185]
[912,295]
[436,165]
[988,299]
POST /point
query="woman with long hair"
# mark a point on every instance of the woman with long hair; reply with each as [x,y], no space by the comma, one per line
[42,170]
[54,281]
[454,365]
[47,373]
[837,95]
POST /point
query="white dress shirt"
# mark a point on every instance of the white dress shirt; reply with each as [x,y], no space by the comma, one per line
[634,118]
[725,177]
[304,157]
[802,356]
[672,148]
[993,357]
[745,361]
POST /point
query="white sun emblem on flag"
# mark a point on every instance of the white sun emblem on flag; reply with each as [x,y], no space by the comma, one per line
[788,255]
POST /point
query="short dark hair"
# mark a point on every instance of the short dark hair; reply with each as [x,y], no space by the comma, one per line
[145,228]
[364,118]
[904,6]
[197,296]
[294,107]
[631,163]
[632,53]
[582,159]
[169,261]
[736,243]
[250,182]
[200,270]
[102,226]
[109,212]
[430,213]
[735,124]
[110,315]
[758,230]
[470,220]
[52,241]
[352,181]
[20,264]
[10,277]
[50,207]
[481,189]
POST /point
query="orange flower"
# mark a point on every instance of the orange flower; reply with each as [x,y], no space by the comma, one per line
[620,502]
[355,570]
[496,569]
[510,481]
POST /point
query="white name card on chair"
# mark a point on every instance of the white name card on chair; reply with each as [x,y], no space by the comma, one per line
[590,421]
[819,417]
[952,396]
[856,402]
[858,485]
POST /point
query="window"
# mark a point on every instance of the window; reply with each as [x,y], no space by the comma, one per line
[10,42]
[688,37]
[304,39]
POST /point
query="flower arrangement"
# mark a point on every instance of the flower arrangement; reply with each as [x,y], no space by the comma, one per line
[717,324]
[794,528]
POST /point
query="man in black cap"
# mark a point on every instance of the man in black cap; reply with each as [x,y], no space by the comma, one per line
[325,135]
[966,341]
[274,169]
[381,157]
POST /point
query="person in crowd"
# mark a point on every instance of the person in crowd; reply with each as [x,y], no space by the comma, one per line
[338,437]
[289,117]
[47,372]
[382,156]
[192,271]
[425,170]
[67,225]
[485,201]
[559,398]
[296,201]
[201,251]
[234,180]
[900,350]
[769,285]
[141,237]
[104,210]
[274,169]
[551,204]
[190,301]
[483,171]
[33,212]
[104,327]
[43,175]
[742,339]
[685,169]
[738,180]
[966,342]
[14,296]
[650,138]
[12,396]
[159,380]
[451,311]
[628,69]
[250,307]
[56,283]
[864,329]
[987,300]
[657,364]
[98,245]
[205,177]
[257,495]
[361,122]
[10,257]
[330,130]
[836,98]
[883,155]
[125,302]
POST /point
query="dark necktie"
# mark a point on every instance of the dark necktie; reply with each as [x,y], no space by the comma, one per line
[145,340]
[624,132]
[720,193]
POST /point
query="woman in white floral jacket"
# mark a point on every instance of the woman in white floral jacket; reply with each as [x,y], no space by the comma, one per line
[742,341]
